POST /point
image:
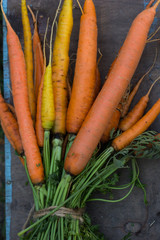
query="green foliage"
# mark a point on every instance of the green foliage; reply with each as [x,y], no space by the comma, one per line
[127,237]
[89,231]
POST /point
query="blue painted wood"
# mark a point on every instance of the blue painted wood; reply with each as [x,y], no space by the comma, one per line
[8,181]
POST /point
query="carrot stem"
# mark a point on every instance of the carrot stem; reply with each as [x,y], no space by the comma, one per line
[46,153]
[71,138]
[54,167]
[135,177]
[109,170]
[32,187]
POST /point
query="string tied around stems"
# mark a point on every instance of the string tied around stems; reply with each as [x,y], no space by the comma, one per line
[62,212]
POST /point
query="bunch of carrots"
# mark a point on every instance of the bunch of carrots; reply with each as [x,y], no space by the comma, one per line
[64,171]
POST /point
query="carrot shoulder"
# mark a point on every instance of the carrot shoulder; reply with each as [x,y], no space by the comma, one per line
[111,93]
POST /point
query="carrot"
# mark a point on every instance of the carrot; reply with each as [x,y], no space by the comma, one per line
[47,110]
[28,58]
[112,125]
[139,127]
[12,110]
[38,55]
[60,66]
[11,131]
[150,3]
[16,138]
[111,93]
[47,104]
[7,135]
[20,97]
[137,112]
[10,126]
[38,125]
[82,95]
[127,103]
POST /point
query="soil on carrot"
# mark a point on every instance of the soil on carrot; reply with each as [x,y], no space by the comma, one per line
[2,181]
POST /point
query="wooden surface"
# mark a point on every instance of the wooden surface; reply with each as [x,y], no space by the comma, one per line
[114,20]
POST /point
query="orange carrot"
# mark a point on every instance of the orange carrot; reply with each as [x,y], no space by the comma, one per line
[7,135]
[128,136]
[127,103]
[28,58]
[111,93]
[20,97]
[113,124]
[150,3]
[137,112]
[38,55]
[19,149]
[12,110]
[38,125]
[82,95]
[10,126]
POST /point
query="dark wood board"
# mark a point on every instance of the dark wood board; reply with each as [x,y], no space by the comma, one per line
[114,19]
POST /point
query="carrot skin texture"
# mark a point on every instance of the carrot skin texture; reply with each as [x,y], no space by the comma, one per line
[116,84]
[28,58]
[113,123]
[10,126]
[16,145]
[7,135]
[135,114]
[20,97]
[142,125]
[38,65]
[10,129]
[60,66]
[83,90]
[37,56]
[12,110]
[38,125]
[47,107]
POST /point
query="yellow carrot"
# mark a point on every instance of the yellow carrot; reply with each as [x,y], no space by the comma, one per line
[60,65]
